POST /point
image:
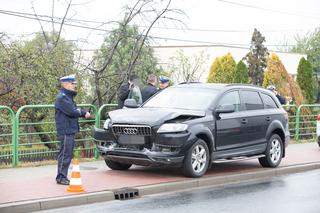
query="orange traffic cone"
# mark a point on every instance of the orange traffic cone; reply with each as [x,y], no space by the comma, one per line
[75,181]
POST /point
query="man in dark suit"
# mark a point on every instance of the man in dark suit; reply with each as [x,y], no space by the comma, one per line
[150,89]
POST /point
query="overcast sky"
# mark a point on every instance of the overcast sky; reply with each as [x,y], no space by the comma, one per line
[209,21]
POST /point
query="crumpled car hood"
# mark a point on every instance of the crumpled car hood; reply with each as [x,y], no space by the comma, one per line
[150,116]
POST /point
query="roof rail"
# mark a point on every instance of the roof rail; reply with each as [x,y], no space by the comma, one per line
[190,82]
[250,85]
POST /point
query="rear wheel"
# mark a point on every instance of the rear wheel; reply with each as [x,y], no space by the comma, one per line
[117,166]
[274,152]
[197,160]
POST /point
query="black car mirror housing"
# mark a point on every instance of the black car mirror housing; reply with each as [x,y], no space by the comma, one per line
[131,103]
[226,108]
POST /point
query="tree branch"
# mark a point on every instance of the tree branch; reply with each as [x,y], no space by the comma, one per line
[62,22]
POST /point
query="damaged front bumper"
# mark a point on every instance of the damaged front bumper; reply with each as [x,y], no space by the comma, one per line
[165,150]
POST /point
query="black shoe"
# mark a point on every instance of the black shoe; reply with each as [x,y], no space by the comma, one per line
[63,182]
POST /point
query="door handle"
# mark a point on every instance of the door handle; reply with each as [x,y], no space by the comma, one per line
[244,121]
[268,118]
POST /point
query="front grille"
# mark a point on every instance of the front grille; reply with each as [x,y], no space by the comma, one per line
[139,130]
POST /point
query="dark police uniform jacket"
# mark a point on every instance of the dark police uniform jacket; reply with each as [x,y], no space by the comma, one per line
[67,113]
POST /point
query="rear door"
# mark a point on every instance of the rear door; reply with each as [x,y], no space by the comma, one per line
[255,128]
[271,111]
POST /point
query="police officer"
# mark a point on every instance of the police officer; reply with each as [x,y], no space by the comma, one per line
[163,82]
[150,89]
[66,118]
[281,99]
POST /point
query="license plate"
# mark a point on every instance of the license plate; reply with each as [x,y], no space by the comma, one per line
[131,139]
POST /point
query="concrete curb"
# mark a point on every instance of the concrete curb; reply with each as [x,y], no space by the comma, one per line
[224,180]
[102,196]
[56,202]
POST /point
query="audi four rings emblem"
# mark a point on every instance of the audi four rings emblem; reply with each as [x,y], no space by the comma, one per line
[130,131]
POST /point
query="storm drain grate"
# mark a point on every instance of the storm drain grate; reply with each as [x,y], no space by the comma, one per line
[126,194]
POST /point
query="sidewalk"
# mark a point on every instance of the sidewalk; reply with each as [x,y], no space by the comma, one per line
[25,184]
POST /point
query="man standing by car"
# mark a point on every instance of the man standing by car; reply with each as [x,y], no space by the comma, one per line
[281,99]
[164,82]
[150,89]
[66,118]
[125,90]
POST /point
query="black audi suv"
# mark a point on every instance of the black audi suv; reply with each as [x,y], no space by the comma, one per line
[193,125]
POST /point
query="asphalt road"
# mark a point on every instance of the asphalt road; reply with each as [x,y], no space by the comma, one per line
[286,194]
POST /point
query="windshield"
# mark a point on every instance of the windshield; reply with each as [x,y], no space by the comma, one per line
[183,98]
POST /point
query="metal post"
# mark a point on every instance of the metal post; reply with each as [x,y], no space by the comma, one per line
[15,128]
[13,133]
[98,117]
[296,136]
[95,112]
[98,122]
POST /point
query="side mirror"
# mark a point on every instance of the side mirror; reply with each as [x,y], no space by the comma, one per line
[226,108]
[131,103]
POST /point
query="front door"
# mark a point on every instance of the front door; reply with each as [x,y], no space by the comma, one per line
[230,126]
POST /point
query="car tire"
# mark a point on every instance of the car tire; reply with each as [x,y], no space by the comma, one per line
[274,152]
[197,160]
[117,166]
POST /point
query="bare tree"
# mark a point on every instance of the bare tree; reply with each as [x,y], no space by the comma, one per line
[141,10]
[62,22]
[187,68]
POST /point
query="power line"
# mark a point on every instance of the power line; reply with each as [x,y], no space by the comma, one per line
[268,9]
[152,37]
[56,22]
[215,43]
[157,27]
[55,17]
[192,46]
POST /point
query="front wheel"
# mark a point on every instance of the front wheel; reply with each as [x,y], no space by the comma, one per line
[274,152]
[197,160]
[117,166]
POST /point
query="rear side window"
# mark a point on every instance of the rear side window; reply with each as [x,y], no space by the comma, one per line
[251,100]
[268,101]
[231,98]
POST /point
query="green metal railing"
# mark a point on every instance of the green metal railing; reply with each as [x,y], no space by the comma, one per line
[306,122]
[26,138]
[19,138]
[291,110]
[102,111]
[7,136]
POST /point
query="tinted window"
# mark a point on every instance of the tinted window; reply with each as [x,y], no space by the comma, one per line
[268,101]
[231,98]
[251,100]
